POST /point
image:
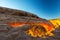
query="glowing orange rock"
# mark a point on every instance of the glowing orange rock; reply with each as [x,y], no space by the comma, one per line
[15,24]
[37,32]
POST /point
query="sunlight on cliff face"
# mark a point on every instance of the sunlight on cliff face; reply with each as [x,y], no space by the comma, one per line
[38,29]
[16,24]
[47,29]
[55,22]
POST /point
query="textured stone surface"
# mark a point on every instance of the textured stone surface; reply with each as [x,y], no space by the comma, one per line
[9,33]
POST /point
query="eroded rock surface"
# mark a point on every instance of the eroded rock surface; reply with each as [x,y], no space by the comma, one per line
[7,32]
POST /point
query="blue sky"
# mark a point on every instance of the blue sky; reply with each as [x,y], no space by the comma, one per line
[48,9]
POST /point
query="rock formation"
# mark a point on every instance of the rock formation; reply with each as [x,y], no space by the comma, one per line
[15,23]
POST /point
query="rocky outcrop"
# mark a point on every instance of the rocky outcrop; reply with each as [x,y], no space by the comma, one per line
[8,32]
